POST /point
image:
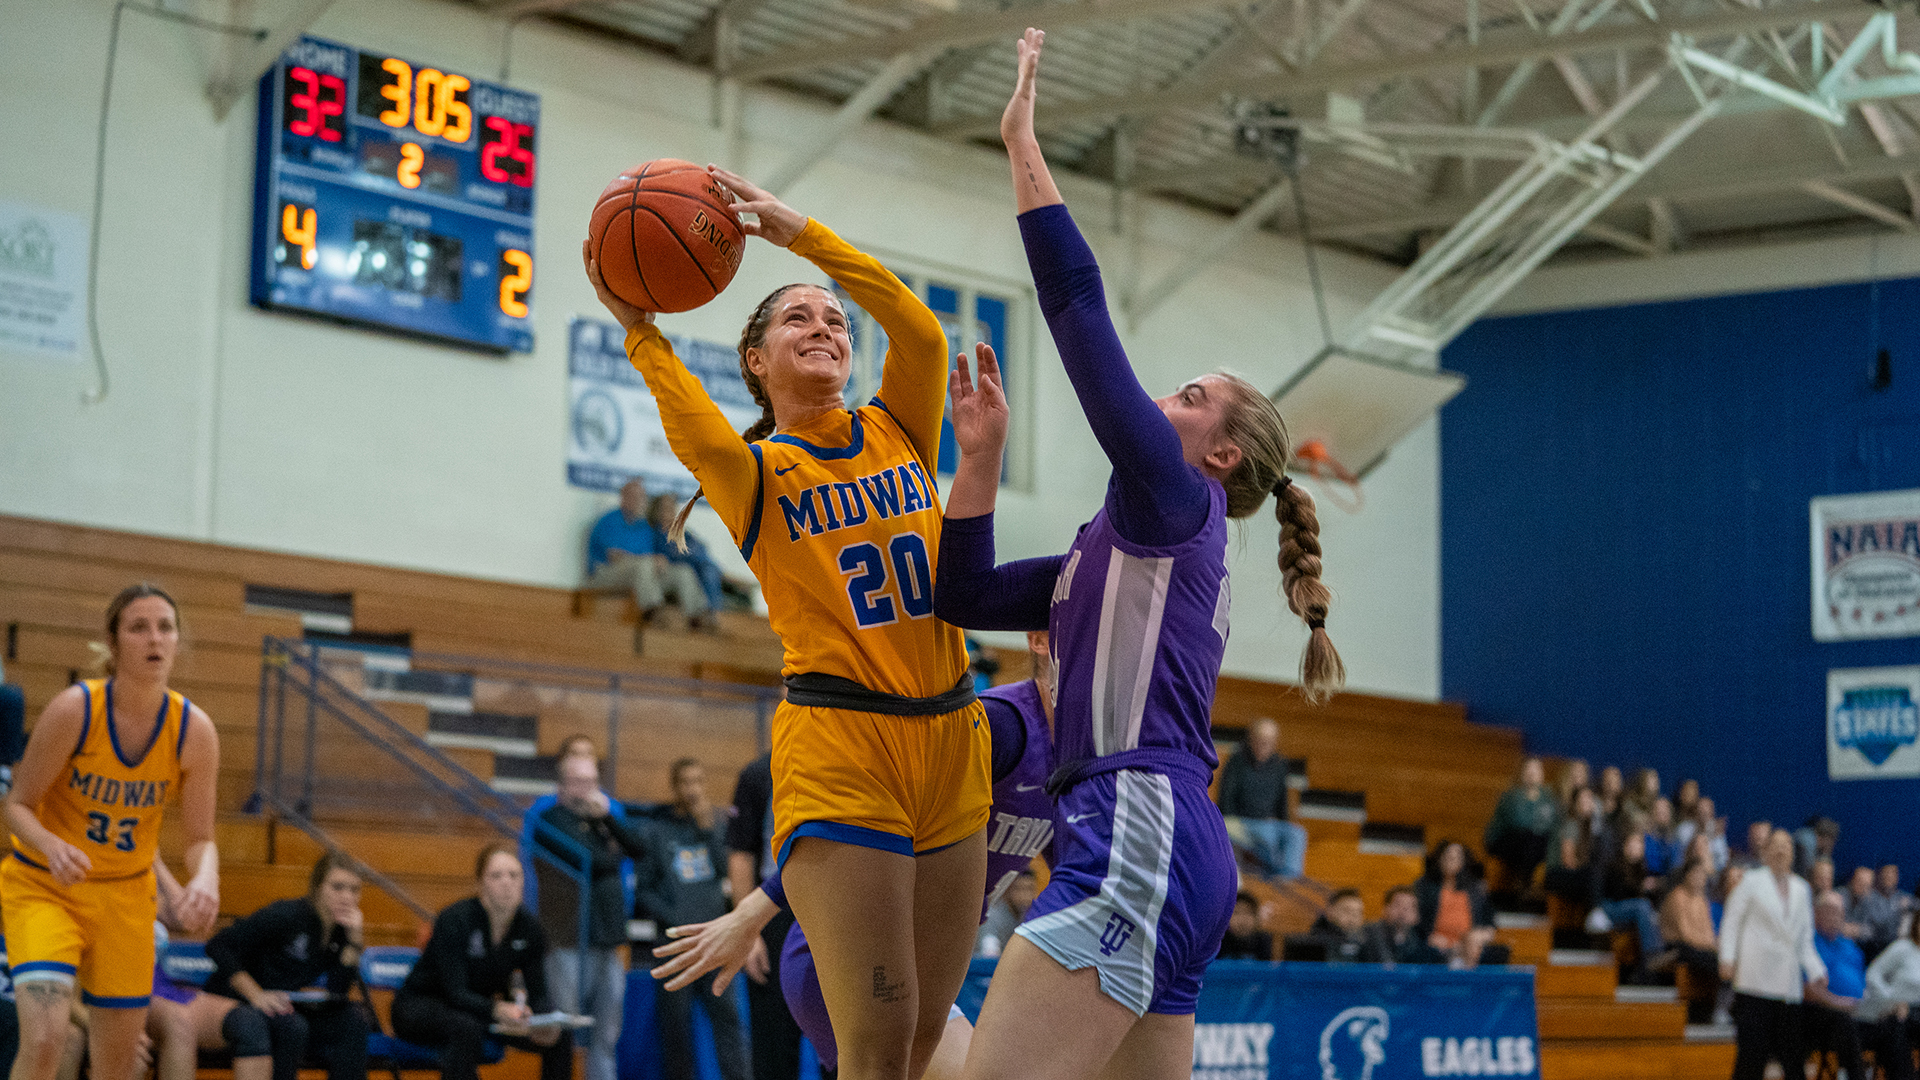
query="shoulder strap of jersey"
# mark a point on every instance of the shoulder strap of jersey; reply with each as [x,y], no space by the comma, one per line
[759,502]
[186,714]
[88,688]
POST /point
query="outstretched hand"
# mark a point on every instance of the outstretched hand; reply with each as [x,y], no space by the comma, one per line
[626,314]
[1017,120]
[778,223]
[979,409]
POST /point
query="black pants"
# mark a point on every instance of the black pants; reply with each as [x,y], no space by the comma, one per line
[1766,1029]
[333,1036]
[460,1038]
[673,1013]
[1704,966]
[1521,853]
[775,1034]
[1829,1029]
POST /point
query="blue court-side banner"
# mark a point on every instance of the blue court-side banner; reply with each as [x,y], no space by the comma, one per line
[1351,1021]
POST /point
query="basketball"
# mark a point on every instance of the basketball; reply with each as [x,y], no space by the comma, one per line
[664,237]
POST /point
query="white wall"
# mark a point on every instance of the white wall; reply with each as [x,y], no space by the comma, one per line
[227,423]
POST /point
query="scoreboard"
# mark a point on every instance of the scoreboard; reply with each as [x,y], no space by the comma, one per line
[395,194]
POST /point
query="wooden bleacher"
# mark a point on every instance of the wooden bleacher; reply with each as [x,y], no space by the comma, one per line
[1418,763]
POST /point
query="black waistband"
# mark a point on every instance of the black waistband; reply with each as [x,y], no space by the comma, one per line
[834,692]
[1155,759]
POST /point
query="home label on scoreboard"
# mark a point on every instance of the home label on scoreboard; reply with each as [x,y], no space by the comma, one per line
[395,194]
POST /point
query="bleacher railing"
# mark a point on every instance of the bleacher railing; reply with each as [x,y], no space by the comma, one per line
[327,751]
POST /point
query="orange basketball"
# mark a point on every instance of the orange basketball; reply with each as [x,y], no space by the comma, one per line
[664,237]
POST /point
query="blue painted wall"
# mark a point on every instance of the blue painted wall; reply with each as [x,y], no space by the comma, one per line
[1624,553]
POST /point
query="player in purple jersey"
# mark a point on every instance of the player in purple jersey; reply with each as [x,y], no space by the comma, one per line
[1103,976]
[1021,828]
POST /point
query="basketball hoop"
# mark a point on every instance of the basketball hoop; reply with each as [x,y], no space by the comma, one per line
[1340,486]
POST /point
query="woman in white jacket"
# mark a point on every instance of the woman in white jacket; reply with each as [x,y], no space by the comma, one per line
[1766,943]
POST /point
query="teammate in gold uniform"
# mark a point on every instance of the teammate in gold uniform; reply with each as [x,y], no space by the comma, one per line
[881,758]
[78,890]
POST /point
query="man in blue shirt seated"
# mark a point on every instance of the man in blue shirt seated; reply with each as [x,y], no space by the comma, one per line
[1834,1017]
[623,552]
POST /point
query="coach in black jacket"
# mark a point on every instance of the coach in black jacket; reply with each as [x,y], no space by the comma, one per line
[464,981]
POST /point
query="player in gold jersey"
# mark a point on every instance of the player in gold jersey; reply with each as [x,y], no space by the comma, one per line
[881,772]
[78,890]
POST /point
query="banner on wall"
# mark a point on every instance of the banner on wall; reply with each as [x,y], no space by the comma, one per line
[615,423]
[1873,723]
[1866,565]
[1259,1021]
[43,281]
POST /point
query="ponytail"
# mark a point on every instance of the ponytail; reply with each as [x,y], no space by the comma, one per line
[1321,672]
[753,336]
[1252,423]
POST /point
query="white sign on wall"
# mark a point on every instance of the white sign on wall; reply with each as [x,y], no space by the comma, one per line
[43,281]
[1866,565]
[616,431]
[1873,723]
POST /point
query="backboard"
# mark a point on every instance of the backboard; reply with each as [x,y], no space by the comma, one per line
[1359,406]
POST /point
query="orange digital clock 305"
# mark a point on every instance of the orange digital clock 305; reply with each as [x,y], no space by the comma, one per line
[396,194]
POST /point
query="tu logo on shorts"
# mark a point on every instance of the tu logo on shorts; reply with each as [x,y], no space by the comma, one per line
[1119,929]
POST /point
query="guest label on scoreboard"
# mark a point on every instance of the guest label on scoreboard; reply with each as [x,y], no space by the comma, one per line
[397,194]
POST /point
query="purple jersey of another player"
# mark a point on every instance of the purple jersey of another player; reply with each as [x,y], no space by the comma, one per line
[1138,633]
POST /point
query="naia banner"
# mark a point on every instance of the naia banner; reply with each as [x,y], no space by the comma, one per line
[1873,723]
[1260,1021]
[1866,565]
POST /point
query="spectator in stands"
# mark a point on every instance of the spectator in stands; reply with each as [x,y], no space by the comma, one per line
[692,554]
[533,865]
[1611,791]
[1574,775]
[691,578]
[1766,943]
[13,729]
[582,832]
[1833,1002]
[1343,927]
[623,556]
[1253,797]
[1820,876]
[1245,940]
[485,965]
[750,861]
[1642,793]
[1887,881]
[1874,917]
[1455,916]
[288,946]
[1894,975]
[1396,938]
[1686,799]
[1523,824]
[1007,912]
[1662,855]
[1754,855]
[681,885]
[1702,822]
[1571,871]
[1814,841]
[1627,892]
[1686,924]
[1729,883]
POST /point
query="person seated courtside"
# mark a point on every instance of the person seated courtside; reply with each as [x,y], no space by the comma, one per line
[1686,924]
[1396,938]
[1834,1018]
[485,965]
[1245,940]
[286,946]
[1455,915]
[1343,927]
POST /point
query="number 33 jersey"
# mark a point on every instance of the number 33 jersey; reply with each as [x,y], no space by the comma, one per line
[845,542]
[109,797]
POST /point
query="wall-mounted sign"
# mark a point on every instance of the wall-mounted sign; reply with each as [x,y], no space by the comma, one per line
[43,280]
[1873,723]
[1866,565]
